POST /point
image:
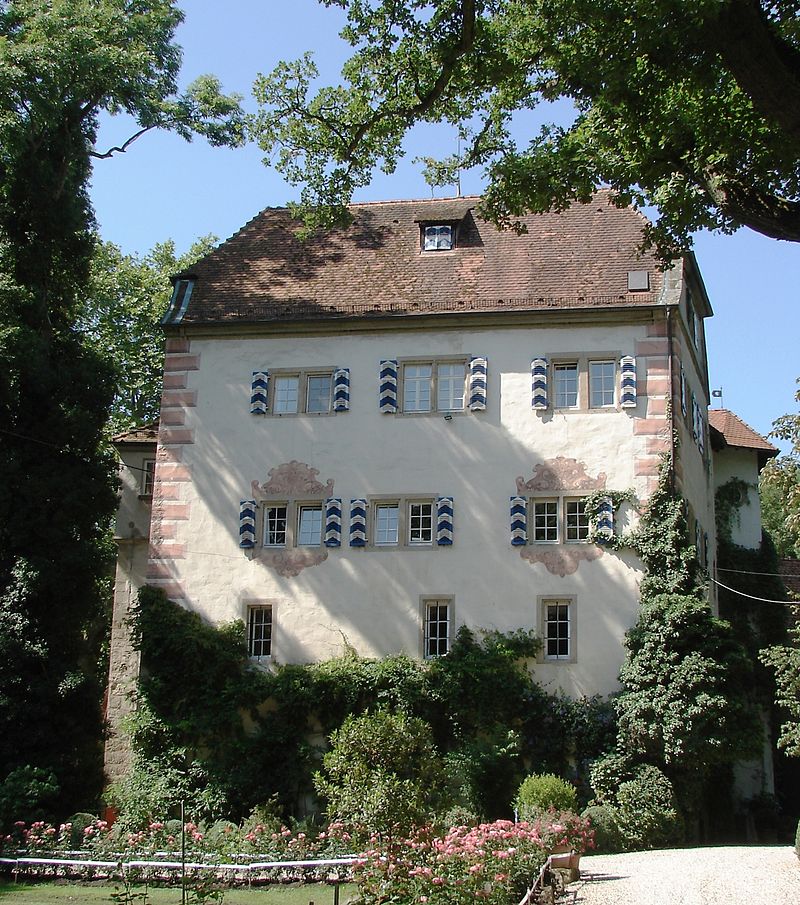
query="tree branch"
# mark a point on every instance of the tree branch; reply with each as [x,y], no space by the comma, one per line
[120,148]
[766,213]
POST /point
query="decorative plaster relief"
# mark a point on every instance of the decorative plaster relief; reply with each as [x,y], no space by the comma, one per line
[291,563]
[560,474]
[562,561]
[292,479]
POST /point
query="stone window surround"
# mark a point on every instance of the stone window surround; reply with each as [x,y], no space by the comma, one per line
[582,359]
[542,602]
[403,502]
[302,375]
[425,600]
[434,361]
[249,606]
[293,509]
[562,498]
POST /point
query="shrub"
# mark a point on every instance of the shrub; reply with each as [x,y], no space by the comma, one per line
[646,811]
[607,835]
[25,794]
[542,791]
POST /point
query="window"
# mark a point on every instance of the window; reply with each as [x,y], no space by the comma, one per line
[436,633]
[275,526]
[545,521]
[438,237]
[554,520]
[577,520]
[309,526]
[259,631]
[434,386]
[148,476]
[292,524]
[565,378]
[557,629]
[403,522]
[387,522]
[302,392]
[694,324]
[602,378]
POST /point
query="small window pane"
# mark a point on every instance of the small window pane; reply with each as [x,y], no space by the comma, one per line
[275,526]
[437,629]
[286,395]
[259,631]
[309,528]
[545,520]
[319,394]
[438,238]
[577,520]
[601,383]
[386,523]
[417,388]
[557,631]
[450,387]
[420,523]
[148,477]
[566,385]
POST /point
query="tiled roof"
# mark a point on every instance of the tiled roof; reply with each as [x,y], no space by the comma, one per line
[576,259]
[148,433]
[736,433]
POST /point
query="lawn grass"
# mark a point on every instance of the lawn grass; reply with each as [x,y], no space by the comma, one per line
[58,893]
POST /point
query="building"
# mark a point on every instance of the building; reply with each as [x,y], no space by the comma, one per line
[387,431]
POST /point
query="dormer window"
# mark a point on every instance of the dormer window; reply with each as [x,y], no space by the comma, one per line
[438,237]
[181,293]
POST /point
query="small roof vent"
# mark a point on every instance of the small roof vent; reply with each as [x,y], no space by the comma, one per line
[638,280]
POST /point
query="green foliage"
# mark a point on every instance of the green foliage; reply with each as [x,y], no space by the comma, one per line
[607,834]
[646,812]
[208,722]
[785,661]
[717,148]
[542,791]
[120,316]
[26,794]
[382,774]
[780,488]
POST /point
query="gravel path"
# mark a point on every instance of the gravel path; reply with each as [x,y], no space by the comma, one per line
[730,875]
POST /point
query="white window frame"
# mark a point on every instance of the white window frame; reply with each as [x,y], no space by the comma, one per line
[604,381]
[303,376]
[433,384]
[560,367]
[148,482]
[545,602]
[253,608]
[403,505]
[581,362]
[562,528]
[426,604]
[582,527]
[294,511]
[437,237]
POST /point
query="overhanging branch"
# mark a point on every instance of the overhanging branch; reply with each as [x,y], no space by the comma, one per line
[120,149]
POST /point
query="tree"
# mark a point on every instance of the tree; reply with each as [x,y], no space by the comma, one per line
[120,316]
[690,106]
[61,63]
[780,488]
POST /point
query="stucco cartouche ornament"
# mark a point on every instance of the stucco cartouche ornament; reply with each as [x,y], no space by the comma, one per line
[556,476]
[292,480]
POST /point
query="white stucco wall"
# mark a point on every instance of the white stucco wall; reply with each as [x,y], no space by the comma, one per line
[732,463]
[370,598]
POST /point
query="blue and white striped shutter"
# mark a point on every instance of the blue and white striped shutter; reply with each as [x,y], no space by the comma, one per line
[698,540]
[519,521]
[701,431]
[444,521]
[247,524]
[258,393]
[683,392]
[333,522]
[627,371]
[388,387]
[705,549]
[478,368]
[694,417]
[358,523]
[341,390]
[604,529]
[539,383]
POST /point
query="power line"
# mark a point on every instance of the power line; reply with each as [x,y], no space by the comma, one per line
[744,572]
[751,596]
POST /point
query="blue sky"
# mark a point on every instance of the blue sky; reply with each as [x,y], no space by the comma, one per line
[166,188]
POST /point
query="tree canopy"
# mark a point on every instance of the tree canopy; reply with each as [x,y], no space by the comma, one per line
[693,107]
[780,487]
[61,63]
